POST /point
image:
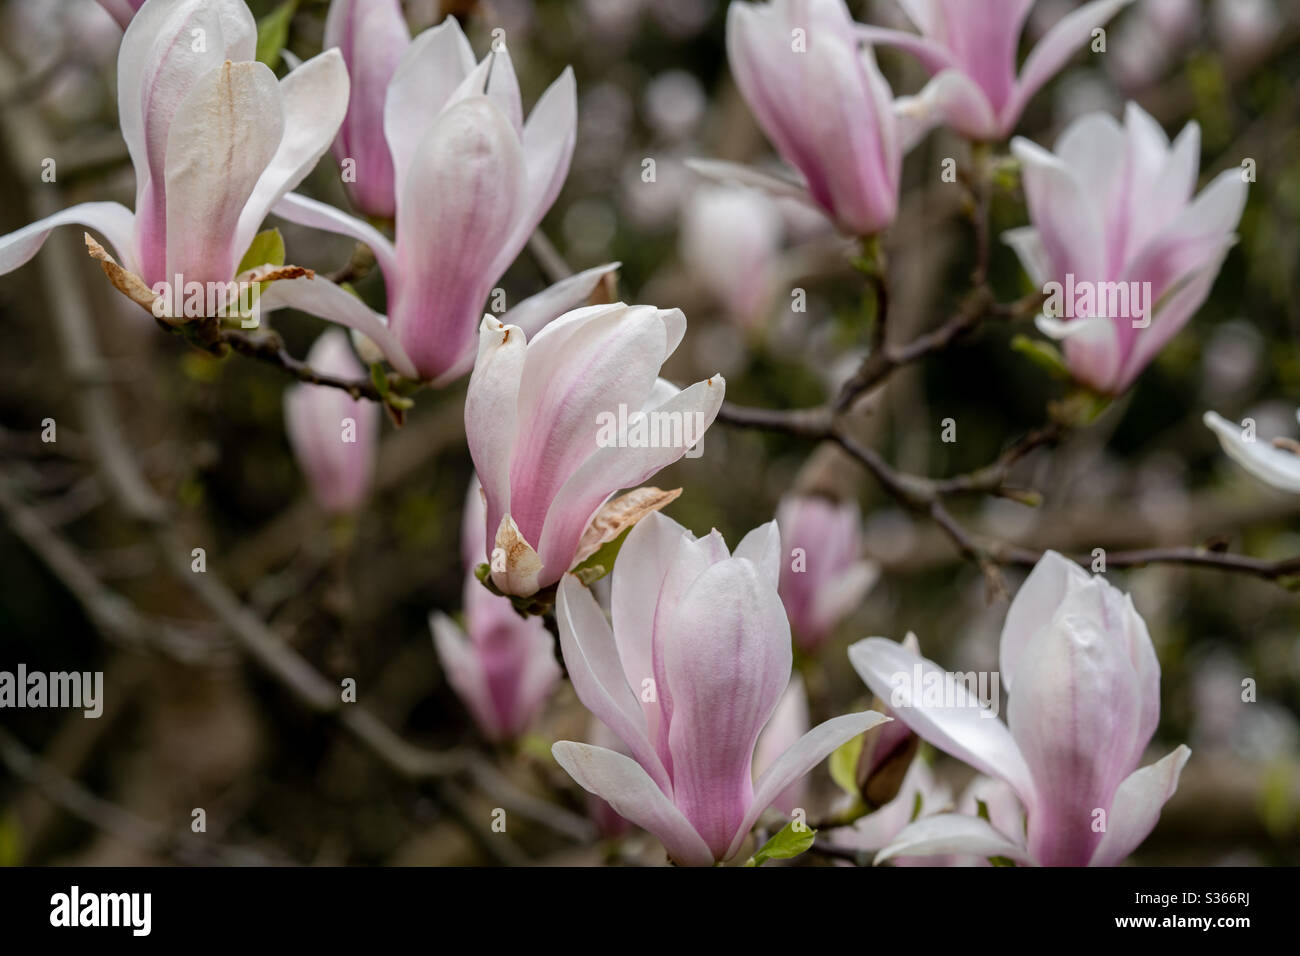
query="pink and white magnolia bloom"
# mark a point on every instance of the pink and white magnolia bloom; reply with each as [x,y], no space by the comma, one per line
[1113,212]
[1276,462]
[472,180]
[823,574]
[372,36]
[691,671]
[122,10]
[542,419]
[969,49]
[1084,682]
[501,665]
[823,103]
[920,795]
[214,137]
[334,437]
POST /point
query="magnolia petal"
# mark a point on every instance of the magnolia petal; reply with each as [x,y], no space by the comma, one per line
[1050,54]
[321,297]
[223,136]
[491,404]
[548,139]
[611,468]
[1274,466]
[622,783]
[1028,247]
[811,749]
[1137,805]
[967,731]
[112,220]
[596,671]
[727,662]
[532,314]
[315,214]
[935,57]
[1034,607]
[315,100]
[434,65]
[953,833]
[762,546]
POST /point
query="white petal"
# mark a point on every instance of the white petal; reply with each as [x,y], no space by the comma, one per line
[953,833]
[1136,807]
[113,220]
[1272,465]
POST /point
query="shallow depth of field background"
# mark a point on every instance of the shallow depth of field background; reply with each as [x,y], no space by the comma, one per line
[280,785]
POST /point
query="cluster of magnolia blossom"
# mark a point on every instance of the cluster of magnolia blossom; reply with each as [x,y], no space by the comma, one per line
[691,669]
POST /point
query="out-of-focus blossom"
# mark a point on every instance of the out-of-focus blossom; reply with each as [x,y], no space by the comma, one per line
[501,665]
[215,140]
[674,104]
[693,668]
[730,241]
[1085,700]
[122,10]
[788,724]
[823,574]
[1152,35]
[1276,462]
[334,436]
[969,48]
[1245,28]
[472,180]
[823,103]
[1126,252]
[557,425]
[372,36]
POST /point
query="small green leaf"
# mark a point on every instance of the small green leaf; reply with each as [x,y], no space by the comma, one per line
[1001,861]
[788,843]
[602,562]
[844,764]
[273,33]
[1044,354]
[11,853]
[267,248]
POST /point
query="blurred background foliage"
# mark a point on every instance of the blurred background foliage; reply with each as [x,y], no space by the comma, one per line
[653,83]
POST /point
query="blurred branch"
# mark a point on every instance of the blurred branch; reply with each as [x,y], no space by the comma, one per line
[268,347]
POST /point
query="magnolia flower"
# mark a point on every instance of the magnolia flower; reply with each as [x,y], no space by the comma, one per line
[694,666]
[501,665]
[730,239]
[372,36]
[786,728]
[472,180]
[215,139]
[1276,463]
[969,49]
[122,10]
[1085,699]
[557,425]
[823,103]
[823,575]
[1125,252]
[333,435]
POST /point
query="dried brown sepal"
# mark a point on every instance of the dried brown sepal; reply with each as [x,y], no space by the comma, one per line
[619,514]
[128,283]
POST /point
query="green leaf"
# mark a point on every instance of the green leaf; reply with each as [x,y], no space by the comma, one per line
[844,764]
[602,562]
[11,853]
[273,33]
[1041,353]
[267,248]
[788,843]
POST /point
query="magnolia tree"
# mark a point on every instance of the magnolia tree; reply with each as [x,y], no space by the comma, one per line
[952,287]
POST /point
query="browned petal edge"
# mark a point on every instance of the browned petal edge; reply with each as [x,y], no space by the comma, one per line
[522,561]
[619,514]
[270,273]
[128,283]
[1287,444]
